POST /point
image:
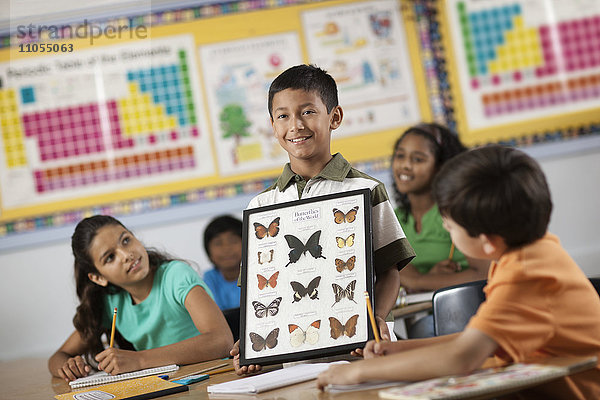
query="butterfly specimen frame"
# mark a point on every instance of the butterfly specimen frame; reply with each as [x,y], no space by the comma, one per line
[305,267]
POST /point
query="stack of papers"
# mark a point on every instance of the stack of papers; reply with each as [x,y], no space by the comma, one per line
[270,380]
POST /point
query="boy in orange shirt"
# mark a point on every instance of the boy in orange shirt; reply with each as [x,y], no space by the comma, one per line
[496,205]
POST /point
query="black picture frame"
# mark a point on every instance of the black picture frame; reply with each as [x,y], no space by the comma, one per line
[305,267]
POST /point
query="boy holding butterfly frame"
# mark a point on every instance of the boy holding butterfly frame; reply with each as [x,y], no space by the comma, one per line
[304,109]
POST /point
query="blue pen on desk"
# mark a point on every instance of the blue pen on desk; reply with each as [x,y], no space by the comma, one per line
[191,379]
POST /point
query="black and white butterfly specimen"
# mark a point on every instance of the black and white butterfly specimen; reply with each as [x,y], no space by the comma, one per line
[340,292]
[311,290]
[262,311]
[339,216]
[259,343]
[299,336]
[298,248]
[338,329]
[262,231]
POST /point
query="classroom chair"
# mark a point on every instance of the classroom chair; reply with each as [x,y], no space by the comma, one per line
[453,306]
[232,315]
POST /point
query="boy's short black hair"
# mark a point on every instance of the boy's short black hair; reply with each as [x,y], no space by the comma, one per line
[224,223]
[495,190]
[309,78]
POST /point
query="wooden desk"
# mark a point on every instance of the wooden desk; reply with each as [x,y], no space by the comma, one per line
[411,309]
[30,379]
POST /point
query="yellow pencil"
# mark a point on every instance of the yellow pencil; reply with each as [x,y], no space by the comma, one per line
[112,330]
[204,370]
[372,317]
[451,252]
[221,371]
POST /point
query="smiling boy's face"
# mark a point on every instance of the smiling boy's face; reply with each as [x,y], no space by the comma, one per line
[303,127]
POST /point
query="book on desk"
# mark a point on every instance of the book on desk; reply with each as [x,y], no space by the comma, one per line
[147,387]
[484,381]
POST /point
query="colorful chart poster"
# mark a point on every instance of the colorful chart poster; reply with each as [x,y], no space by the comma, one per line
[525,59]
[101,120]
[363,46]
[238,75]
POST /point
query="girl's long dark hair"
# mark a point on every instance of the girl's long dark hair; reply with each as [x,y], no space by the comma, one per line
[88,318]
[444,145]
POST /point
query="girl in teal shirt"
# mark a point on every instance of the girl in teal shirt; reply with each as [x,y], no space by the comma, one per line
[165,311]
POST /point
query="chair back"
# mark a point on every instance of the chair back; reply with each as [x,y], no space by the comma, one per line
[453,306]
[232,315]
[596,283]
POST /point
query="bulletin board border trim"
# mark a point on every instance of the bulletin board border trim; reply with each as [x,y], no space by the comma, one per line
[154,203]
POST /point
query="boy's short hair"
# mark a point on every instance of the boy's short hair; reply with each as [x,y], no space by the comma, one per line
[495,190]
[224,223]
[309,78]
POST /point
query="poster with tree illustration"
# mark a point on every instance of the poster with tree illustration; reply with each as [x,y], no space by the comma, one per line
[306,265]
[237,75]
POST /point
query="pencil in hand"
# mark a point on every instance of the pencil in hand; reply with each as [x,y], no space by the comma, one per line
[112,330]
[372,317]
[451,252]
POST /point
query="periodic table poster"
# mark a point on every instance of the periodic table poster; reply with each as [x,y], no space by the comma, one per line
[102,119]
[523,65]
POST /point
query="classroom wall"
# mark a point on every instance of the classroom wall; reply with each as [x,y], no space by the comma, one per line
[37,294]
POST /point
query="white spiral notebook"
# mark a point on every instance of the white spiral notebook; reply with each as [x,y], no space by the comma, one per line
[102,377]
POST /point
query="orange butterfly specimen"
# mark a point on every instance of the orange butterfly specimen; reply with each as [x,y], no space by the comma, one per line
[262,231]
[338,329]
[299,336]
[264,282]
[259,343]
[340,265]
[265,258]
[339,217]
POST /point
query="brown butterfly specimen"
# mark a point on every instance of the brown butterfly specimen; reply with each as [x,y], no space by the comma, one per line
[340,265]
[264,282]
[262,231]
[259,343]
[339,216]
[338,329]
